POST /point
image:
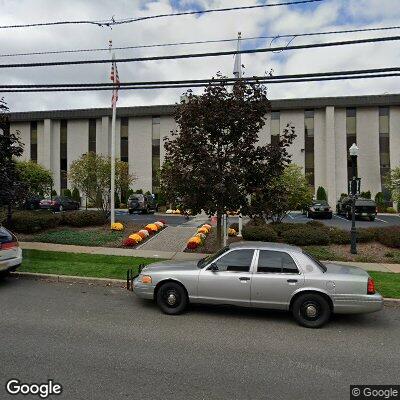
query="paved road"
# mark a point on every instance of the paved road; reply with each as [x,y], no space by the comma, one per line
[102,343]
[144,219]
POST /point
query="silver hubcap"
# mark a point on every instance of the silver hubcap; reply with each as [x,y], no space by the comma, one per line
[311,311]
[171,299]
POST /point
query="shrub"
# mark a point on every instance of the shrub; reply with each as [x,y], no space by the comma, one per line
[321,193]
[366,235]
[67,193]
[317,224]
[339,236]
[306,236]
[76,196]
[33,221]
[83,218]
[391,210]
[389,237]
[281,227]
[366,195]
[259,233]
[234,226]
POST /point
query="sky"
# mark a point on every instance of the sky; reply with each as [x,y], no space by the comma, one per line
[320,16]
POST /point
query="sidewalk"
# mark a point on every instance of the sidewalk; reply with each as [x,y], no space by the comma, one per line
[173,255]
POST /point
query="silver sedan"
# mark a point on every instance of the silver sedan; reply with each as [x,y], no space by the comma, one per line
[264,275]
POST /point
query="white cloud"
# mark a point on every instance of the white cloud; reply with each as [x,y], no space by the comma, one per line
[329,15]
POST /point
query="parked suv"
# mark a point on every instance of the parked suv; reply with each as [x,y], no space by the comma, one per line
[10,252]
[144,203]
[364,208]
[59,204]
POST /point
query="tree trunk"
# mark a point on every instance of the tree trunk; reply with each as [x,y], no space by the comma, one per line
[219,229]
[9,215]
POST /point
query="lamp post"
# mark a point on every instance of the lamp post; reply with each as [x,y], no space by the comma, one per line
[354,150]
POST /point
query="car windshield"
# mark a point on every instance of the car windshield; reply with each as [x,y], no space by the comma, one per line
[135,197]
[209,259]
[319,263]
[320,203]
[365,202]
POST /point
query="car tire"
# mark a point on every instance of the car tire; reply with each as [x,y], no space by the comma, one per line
[130,212]
[348,215]
[330,216]
[372,218]
[61,208]
[311,310]
[172,298]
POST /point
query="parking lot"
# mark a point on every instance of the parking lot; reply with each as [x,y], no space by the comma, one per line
[338,221]
[144,219]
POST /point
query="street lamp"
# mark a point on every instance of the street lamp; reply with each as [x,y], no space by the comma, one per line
[353,151]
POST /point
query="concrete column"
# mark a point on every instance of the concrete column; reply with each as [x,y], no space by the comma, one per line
[103,140]
[24,129]
[46,144]
[368,143]
[40,141]
[319,149]
[55,149]
[330,163]
[264,135]
[340,150]
[394,136]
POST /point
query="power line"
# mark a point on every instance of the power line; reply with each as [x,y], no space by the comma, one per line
[205,81]
[177,86]
[144,46]
[112,22]
[201,55]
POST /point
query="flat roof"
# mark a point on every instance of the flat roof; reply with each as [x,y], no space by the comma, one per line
[168,109]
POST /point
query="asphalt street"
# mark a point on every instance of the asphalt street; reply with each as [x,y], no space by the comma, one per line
[103,343]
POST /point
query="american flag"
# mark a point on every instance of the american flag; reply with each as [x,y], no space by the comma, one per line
[115,79]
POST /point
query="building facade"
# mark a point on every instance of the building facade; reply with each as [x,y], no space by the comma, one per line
[325,127]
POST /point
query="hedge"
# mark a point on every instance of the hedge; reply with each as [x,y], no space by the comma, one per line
[389,237]
[306,236]
[37,221]
[262,233]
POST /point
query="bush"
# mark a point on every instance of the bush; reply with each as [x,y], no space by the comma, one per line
[33,221]
[234,226]
[280,227]
[67,193]
[321,193]
[366,195]
[366,235]
[317,224]
[306,236]
[76,196]
[339,236]
[389,237]
[391,210]
[259,233]
[83,218]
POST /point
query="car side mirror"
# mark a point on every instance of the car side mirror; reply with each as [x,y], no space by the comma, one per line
[213,267]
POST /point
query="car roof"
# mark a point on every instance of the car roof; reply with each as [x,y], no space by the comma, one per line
[264,246]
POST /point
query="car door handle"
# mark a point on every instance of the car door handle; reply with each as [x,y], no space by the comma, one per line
[244,278]
[292,280]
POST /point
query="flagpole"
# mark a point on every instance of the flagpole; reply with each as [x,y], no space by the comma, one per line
[114,112]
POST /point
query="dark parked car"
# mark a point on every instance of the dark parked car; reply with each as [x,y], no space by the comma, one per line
[144,203]
[32,203]
[59,204]
[319,209]
[364,208]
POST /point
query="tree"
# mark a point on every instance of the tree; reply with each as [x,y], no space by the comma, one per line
[38,180]
[212,160]
[286,192]
[12,189]
[393,184]
[321,194]
[67,193]
[75,195]
[123,180]
[91,174]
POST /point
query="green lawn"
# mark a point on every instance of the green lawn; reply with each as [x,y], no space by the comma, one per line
[77,264]
[95,237]
[387,284]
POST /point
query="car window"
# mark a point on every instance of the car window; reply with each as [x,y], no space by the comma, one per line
[5,236]
[236,261]
[276,261]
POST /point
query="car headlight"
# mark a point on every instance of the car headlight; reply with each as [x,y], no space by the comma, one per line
[146,279]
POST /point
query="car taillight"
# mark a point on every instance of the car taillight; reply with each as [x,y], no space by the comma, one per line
[371,286]
[8,246]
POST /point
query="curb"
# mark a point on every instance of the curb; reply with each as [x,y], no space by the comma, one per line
[70,279]
[100,281]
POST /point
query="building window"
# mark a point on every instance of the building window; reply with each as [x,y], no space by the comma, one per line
[63,154]
[155,139]
[124,139]
[309,146]
[92,135]
[275,127]
[384,148]
[34,141]
[351,136]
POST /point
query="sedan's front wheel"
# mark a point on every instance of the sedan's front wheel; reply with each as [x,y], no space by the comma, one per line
[311,310]
[172,298]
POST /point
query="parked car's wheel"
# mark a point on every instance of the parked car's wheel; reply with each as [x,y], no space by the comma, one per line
[60,208]
[348,215]
[172,298]
[329,216]
[372,217]
[309,215]
[311,310]
[130,211]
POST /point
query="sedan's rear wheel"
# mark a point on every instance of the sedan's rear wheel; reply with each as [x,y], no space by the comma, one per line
[311,310]
[172,298]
